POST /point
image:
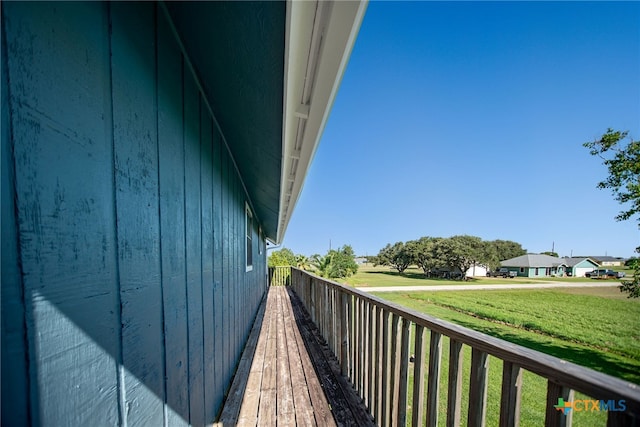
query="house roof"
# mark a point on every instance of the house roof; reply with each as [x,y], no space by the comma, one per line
[269,72]
[573,261]
[533,260]
[605,258]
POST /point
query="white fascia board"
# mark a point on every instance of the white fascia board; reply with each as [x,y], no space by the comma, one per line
[335,24]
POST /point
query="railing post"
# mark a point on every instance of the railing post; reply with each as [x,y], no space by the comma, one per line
[355,348]
[511,391]
[386,371]
[370,357]
[395,370]
[454,399]
[379,366]
[362,340]
[433,388]
[478,388]
[418,377]
[345,323]
[555,417]
[404,373]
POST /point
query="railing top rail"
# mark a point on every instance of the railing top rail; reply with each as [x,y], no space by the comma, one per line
[584,380]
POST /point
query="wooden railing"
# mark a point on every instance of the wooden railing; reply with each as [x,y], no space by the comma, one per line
[373,340]
[279,276]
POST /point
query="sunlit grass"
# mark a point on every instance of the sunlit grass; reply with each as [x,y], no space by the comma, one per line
[593,327]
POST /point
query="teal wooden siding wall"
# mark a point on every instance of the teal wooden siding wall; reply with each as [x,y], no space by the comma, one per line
[125,298]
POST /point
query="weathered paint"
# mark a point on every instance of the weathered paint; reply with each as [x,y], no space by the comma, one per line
[125,299]
[239,49]
[14,353]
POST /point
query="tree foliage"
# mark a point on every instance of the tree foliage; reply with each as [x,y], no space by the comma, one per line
[621,155]
[507,249]
[343,262]
[424,253]
[337,263]
[303,262]
[397,256]
[462,252]
[281,258]
[457,253]
[555,254]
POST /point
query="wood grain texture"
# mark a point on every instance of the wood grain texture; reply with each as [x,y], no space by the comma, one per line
[554,417]
[403,377]
[136,180]
[206,237]
[193,254]
[172,224]
[64,241]
[433,380]
[127,312]
[510,397]
[454,392]
[15,387]
[417,406]
[478,388]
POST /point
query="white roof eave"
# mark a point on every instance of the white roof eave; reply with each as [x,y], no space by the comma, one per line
[318,42]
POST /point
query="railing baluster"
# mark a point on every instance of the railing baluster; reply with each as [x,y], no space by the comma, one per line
[331,320]
[404,373]
[418,377]
[363,347]
[478,388]
[357,348]
[338,319]
[379,367]
[371,360]
[511,391]
[555,417]
[433,388]
[345,323]
[386,370]
[454,392]
[620,419]
[396,344]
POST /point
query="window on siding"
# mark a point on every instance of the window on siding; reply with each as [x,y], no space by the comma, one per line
[249,241]
[521,269]
[260,240]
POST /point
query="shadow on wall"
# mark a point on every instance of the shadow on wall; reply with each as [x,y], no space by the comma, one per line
[124,292]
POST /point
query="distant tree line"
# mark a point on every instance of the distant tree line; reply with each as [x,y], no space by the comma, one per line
[451,253]
[337,263]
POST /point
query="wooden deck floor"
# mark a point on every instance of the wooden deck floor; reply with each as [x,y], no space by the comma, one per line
[287,376]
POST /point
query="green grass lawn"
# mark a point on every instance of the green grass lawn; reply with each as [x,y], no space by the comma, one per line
[592,330]
[594,327]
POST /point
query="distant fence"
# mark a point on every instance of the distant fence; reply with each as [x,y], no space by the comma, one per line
[371,339]
[279,276]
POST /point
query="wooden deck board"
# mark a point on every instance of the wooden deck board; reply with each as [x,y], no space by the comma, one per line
[280,383]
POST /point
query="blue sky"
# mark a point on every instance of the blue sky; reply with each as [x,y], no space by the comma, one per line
[469,118]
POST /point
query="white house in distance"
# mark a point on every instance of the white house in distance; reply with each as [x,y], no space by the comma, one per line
[477,270]
[608,261]
[578,266]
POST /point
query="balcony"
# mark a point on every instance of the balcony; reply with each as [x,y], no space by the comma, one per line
[378,350]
